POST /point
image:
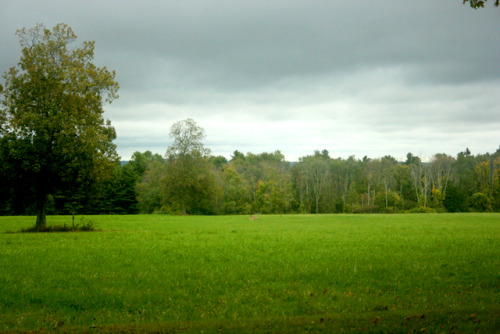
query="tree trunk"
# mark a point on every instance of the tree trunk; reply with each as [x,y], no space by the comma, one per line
[368,195]
[41,221]
[386,199]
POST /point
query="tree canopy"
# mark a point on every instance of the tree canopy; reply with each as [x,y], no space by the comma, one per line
[189,182]
[480,3]
[188,139]
[53,132]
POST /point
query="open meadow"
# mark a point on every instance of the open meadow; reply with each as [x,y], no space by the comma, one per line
[290,273]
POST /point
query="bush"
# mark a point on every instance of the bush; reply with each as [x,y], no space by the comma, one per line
[479,202]
[365,209]
[394,202]
[389,209]
[422,209]
[85,227]
[410,204]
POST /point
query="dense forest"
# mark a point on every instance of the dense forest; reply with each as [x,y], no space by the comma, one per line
[189,180]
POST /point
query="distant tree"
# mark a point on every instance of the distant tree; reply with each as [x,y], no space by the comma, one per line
[402,176]
[371,170]
[125,201]
[316,169]
[219,162]
[301,187]
[388,202]
[139,162]
[189,184]
[274,189]
[237,155]
[263,174]
[343,173]
[116,194]
[188,139]
[454,201]
[236,196]
[52,117]
[386,171]
[412,159]
[149,188]
[465,180]
[248,167]
[443,171]
[480,202]
[484,177]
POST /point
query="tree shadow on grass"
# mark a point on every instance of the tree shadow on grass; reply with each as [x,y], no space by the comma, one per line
[85,227]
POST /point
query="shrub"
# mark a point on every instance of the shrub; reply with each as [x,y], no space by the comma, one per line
[410,204]
[394,202]
[479,202]
[86,227]
[365,209]
[422,209]
[389,209]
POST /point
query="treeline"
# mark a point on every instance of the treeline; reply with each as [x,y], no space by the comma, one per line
[188,180]
[266,183]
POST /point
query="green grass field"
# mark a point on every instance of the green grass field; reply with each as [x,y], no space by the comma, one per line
[291,273]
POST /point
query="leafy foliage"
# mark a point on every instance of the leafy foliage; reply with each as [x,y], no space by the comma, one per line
[189,184]
[480,202]
[54,135]
[479,3]
[148,189]
[454,201]
[188,140]
[422,209]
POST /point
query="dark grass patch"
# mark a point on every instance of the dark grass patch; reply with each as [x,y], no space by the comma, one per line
[370,322]
[85,227]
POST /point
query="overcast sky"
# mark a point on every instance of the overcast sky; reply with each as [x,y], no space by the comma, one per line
[353,77]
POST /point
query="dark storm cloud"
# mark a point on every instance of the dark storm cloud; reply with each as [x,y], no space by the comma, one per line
[242,45]
[290,75]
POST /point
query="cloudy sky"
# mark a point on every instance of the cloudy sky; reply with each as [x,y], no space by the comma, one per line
[353,77]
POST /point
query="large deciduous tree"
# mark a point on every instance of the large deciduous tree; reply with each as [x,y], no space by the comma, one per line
[52,128]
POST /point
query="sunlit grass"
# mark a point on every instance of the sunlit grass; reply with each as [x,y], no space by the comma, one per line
[279,273]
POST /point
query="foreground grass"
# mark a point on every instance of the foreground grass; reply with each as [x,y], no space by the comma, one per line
[373,273]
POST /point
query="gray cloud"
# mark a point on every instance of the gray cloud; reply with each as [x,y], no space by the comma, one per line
[353,77]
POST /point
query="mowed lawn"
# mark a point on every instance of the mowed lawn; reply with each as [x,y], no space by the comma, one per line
[290,273]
